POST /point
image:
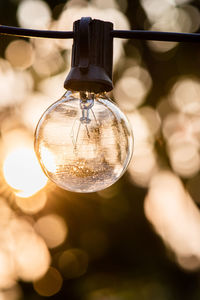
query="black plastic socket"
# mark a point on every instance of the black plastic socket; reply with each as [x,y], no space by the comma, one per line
[92,57]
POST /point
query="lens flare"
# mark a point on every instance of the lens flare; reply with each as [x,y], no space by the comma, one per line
[175,217]
[23,173]
[34,14]
[32,204]
[20,54]
[53,229]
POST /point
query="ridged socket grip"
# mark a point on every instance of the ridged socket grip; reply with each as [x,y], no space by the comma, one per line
[92,57]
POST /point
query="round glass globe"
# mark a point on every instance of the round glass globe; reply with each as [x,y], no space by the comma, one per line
[83,142]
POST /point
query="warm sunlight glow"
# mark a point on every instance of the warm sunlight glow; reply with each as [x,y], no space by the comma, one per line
[53,229]
[184,95]
[175,217]
[20,54]
[32,204]
[34,14]
[23,173]
[7,269]
[32,256]
[15,85]
[48,159]
[28,257]
[132,87]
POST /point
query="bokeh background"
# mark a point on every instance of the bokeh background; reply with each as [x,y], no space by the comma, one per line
[140,238]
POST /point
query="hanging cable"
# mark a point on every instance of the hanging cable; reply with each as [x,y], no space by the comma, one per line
[22,32]
[123,34]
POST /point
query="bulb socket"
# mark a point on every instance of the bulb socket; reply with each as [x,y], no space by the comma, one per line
[92,57]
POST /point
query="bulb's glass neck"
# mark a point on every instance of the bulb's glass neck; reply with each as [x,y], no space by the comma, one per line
[87,114]
[87,100]
[86,103]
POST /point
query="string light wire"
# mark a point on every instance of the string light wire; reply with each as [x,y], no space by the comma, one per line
[123,34]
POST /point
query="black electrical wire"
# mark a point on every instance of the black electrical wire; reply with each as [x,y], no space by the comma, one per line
[123,34]
[156,35]
[22,32]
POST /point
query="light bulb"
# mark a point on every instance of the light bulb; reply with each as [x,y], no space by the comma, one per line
[83,142]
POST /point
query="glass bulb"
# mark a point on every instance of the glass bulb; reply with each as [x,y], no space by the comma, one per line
[83,142]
